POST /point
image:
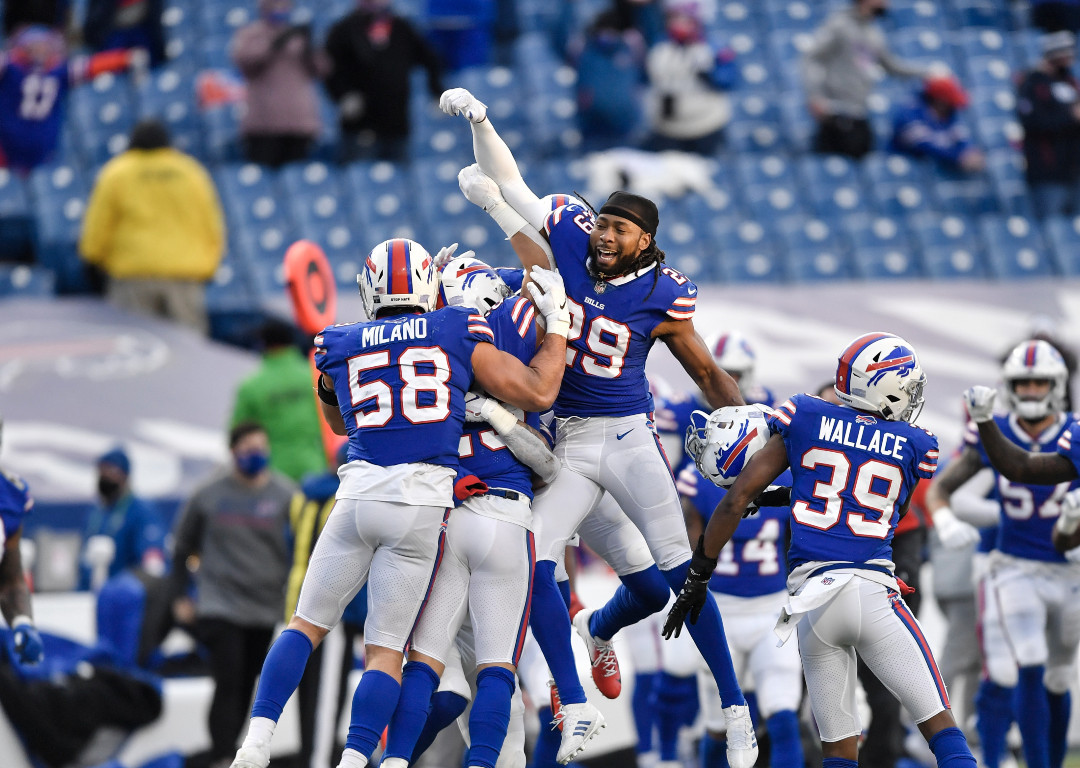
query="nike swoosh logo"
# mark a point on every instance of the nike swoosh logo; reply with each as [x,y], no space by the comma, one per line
[691,291]
[624,434]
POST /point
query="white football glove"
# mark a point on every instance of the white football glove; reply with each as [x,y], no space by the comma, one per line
[954,532]
[1069,520]
[458,101]
[1073,555]
[980,403]
[446,255]
[479,407]
[549,295]
[478,188]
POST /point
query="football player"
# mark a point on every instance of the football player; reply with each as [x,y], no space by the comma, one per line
[1033,624]
[15,504]
[622,300]
[396,386]
[486,570]
[854,468]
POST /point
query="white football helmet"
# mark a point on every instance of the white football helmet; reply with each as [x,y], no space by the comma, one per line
[723,441]
[398,273]
[734,353]
[1035,360]
[468,282]
[557,201]
[880,373]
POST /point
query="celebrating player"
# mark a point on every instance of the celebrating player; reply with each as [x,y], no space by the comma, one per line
[486,571]
[1030,582]
[396,386]
[15,504]
[854,468]
[622,299]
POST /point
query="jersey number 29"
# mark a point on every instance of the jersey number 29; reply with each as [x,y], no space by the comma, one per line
[605,338]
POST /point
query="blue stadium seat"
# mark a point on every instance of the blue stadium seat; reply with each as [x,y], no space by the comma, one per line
[964,194]
[736,17]
[104,116]
[766,169]
[1015,248]
[221,133]
[22,280]
[688,248]
[794,15]
[1025,48]
[810,235]
[818,264]
[382,195]
[755,124]
[980,13]
[884,263]
[897,184]
[932,230]
[999,132]
[182,31]
[1063,235]
[1006,170]
[946,262]
[833,185]
[740,234]
[927,45]
[982,43]
[796,122]
[993,102]
[752,265]
[787,48]
[59,194]
[345,251]
[250,196]
[226,16]
[169,95]
[866,232]
[314,196]
[231,289]
[773,202]
[16,221]
[990,71]
[213,51]
[916,13]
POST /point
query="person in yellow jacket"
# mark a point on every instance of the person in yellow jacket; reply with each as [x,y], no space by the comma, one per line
[154,226]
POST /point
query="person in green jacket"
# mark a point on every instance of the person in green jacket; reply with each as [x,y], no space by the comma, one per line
[279,395]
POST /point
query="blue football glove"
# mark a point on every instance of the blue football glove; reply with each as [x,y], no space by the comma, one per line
[29,648]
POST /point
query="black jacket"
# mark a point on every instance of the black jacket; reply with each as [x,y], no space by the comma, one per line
[1051,132]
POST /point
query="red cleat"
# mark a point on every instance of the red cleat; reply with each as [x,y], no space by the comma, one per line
[556,706]
[605,667]
[575,605]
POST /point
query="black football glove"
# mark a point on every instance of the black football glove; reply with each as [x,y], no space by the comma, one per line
[774,496]
[694,593]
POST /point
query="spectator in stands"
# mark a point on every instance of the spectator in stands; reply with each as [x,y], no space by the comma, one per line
[688,76]
[930,127]
[610,62]
[123,532]
[373,52]
[113,24]
[839,71]
[461,31]
[35,76]
[281,65]
[1049,107]
[46,13]
[1056,15]
[279,395]
[235,528]
[154,225]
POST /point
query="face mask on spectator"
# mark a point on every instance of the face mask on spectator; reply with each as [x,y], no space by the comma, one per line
[251,464]
[108,488]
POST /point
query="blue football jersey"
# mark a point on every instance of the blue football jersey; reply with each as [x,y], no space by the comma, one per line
[1028,512]
[852,474]
[611,323]
[753,563]
[31,111]
[482,451]
[513,277]
[15,502]
[401,383]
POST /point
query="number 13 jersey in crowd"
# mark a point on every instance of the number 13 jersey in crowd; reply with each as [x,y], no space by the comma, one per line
[852,473]
[611,323]
[401,383]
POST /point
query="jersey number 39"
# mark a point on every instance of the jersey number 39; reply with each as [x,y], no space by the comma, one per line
[867,497]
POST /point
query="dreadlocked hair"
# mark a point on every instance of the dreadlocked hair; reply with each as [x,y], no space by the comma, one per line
[652,253]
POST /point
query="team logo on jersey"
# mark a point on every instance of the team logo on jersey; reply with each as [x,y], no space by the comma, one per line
[865,419]
[599,286]
[828,580]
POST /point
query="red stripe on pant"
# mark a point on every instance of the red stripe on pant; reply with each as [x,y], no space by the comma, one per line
[530,546]
[434,573]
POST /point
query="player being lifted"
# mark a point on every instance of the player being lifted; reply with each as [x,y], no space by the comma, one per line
[1030,582]
[396,386]
[854,468]
[622,299]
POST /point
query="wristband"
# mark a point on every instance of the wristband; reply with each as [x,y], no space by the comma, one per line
[556,325]
[1067,525]
[500,419]
[510,221]
[20,621]
[328,396]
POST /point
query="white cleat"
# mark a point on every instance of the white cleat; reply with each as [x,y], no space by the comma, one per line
[579,723]
[742,749]
[251,757]
[394,762]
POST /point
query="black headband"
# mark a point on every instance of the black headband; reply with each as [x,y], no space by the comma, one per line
[636,208]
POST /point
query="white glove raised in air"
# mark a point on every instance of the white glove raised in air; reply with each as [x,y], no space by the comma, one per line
[1069,519]
[458,101]
[478,188]
[480,407]
[954,532]
[446,255]
[980,403]
[549,296]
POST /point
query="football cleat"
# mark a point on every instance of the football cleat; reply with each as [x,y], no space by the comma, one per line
[742,748]
[579,723]
[605,666]
[556,705]
[251,757]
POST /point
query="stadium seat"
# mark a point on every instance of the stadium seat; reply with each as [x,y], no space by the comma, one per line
[751,265]
[794,15]
[1063,235]
[755,124]
[916,13]
[231,288]
[982,43]
[314,195]
[773,202]
[736,17]
[23,280]
[1006,170]
[104,116]
[1014,247]
[250,197]
[993,71]
[946,262]
[980,13]
[16,221]
[964,194]
[688,249]
[381,193]
[169,95]
[926,45]
[884,263]
[866,232]
[818,264]
[796,122]
[932,230]
[810,235]
[221,133]
[833,185]
[787,48]
[897,184]
[999,133]
[59,194]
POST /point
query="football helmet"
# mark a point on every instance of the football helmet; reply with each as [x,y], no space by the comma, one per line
[557,201]
[734,353]
[398,273]
[880,373]
[723,441]
[469,282]
[1035,360]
